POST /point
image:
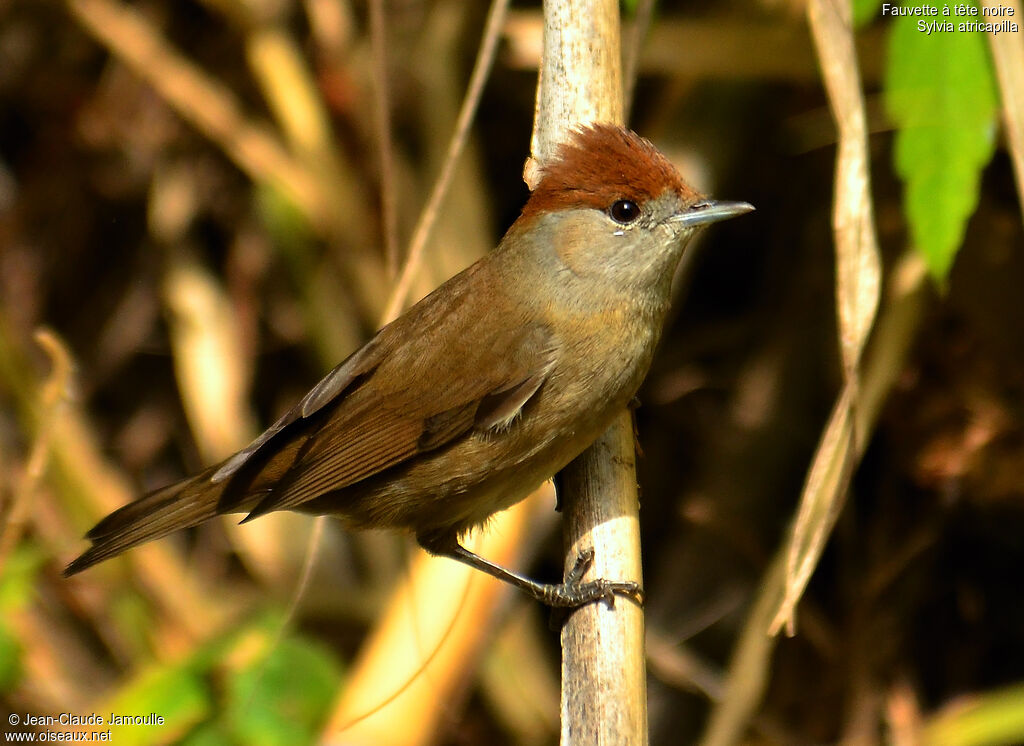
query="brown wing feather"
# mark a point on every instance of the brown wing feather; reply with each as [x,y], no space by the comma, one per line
[397,397]
[327,390]
[412,396]
[348,449]
[371,451]
[177,506]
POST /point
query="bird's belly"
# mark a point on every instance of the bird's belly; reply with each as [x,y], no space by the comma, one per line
[460,485]
[473,479]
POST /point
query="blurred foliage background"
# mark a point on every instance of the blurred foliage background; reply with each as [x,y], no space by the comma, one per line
[202,210]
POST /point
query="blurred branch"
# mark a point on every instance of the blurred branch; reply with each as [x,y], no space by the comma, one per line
[858,269]
[720,48]
[203,102]
[637,33]
[213,381]
[83,479]
[52,397]
[211,369]
[331,25]
[463,229]
[1008,55]
[425,224]
[291,92]
[382,127]
[858,277]
[518,680]
[437,619]
[883,362]
[315,184]
[680,667]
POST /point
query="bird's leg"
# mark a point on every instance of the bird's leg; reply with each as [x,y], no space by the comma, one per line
[570,594]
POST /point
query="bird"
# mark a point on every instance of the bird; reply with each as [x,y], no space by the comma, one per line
[486,387]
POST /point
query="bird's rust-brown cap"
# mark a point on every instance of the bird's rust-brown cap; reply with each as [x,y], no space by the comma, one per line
[602,163]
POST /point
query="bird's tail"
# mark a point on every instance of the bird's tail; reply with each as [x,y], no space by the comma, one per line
[163,511]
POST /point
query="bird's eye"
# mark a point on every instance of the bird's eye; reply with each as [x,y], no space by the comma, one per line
[624,211]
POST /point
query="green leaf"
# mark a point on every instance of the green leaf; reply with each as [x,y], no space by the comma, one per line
[283,697]
[988,719]
[17,589]
[10,658]
[941,93]
[18,580]
[864,11]
[211,733]
[176,693]
[243,687]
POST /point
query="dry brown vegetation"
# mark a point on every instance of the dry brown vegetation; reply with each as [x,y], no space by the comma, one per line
[192,231]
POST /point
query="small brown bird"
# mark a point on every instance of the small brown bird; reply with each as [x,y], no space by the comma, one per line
[486,387]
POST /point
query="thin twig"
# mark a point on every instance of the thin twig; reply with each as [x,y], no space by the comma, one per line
[631,59]
[425,224]
[858,279]
[382,124]
[841,443]
[433,627]
[52,397]
[305,575]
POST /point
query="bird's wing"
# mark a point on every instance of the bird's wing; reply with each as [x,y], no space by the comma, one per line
[396,398]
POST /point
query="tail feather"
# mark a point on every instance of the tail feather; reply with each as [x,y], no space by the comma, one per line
[161,512]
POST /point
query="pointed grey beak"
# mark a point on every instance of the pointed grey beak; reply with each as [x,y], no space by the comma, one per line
[710,211]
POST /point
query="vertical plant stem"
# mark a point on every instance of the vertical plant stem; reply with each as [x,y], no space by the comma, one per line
[604,697]
[1008,57]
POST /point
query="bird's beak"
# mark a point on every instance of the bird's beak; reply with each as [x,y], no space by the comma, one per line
[709,211]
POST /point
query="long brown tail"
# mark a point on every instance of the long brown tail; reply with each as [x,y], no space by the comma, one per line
[177,506]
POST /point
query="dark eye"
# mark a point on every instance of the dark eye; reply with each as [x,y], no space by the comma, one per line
[624,211]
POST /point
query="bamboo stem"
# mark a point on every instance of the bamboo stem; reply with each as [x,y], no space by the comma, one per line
[604,693]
